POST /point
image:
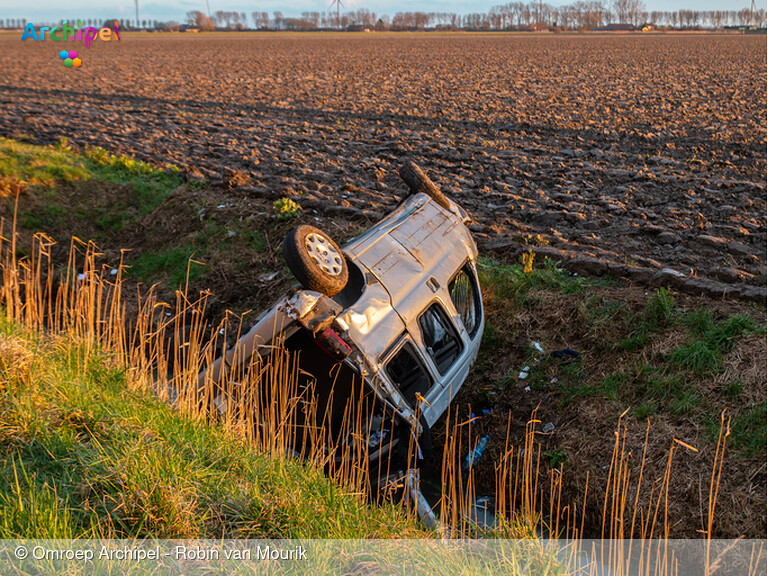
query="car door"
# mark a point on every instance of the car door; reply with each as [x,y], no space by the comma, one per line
[448,332]
[438,343]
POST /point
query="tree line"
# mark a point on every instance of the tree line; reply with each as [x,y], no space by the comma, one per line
[534,15]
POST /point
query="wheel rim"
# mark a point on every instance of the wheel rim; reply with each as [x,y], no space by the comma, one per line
[322,252]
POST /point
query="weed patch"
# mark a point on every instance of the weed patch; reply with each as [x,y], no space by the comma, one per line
[176,264]
[711,339]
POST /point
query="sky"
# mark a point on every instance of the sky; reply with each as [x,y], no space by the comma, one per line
[55,10]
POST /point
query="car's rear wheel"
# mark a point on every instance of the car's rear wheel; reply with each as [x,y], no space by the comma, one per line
[315,260]
[417,182]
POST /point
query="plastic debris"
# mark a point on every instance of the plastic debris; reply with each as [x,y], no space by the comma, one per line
[475,454]
[231,233]
[667,273]
[537,346]
[553,381]
[524,373]
[527,389]
[481,513]
[483,413]
[548,427]
[267,276]
[113,272]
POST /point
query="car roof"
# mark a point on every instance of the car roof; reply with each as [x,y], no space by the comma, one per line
[408,259]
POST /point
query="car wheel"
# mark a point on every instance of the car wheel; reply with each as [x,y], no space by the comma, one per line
[315,260]
[417,182]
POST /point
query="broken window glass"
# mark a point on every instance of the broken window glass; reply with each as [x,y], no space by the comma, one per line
[408,375]
[439,337]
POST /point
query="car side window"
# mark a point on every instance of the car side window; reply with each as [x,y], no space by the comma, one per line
[463,291]
[439,337]
[408,374]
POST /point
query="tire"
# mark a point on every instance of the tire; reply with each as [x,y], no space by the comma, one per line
[315,260]
[417,182]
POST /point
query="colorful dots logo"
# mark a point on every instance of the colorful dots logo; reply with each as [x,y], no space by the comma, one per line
[70,58]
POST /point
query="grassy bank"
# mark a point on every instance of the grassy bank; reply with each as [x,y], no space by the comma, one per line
[91,191]
[85,456]
[584,351]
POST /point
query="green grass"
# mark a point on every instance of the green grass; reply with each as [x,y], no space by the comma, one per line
[150,186]
[648,384]
[711,339]
[511,282]
[660,311]
[748,431]
[63,178]
[84,456]
[659,314]
[171,263]
[39,165]
[215,241]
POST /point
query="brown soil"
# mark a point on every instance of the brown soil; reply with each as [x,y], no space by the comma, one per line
[642,150]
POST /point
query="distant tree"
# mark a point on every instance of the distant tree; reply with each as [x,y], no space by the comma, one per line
[629,11]
[198,20]
[260,20]
[744,16]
